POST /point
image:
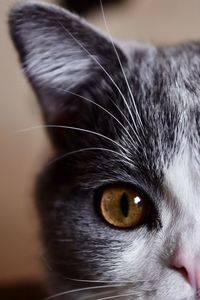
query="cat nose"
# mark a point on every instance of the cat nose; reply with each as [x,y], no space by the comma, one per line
[189,268]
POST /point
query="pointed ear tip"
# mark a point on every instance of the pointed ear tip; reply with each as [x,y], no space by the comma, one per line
[13,24]
[20,14]
[17,15]
[23,16]
[16,18]
[21,10]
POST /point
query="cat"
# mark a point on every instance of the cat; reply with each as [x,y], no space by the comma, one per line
[119,201]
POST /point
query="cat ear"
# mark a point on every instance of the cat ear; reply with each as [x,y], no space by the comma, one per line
[59,52]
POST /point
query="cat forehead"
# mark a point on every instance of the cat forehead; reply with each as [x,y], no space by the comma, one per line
[166,68]
[165,85]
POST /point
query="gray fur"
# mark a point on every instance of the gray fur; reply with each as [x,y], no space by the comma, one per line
[164,82]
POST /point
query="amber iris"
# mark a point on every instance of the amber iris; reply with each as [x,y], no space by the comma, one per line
[123,206]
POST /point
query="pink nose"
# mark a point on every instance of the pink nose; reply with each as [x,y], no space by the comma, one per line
[189,269]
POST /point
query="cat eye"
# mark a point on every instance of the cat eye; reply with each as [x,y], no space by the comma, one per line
[123,206]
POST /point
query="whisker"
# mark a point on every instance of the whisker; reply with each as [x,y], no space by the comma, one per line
[123,115]
[73,128]
[120,63]
[88,149]
[106,72]
[80,290]
[46,263]
[104,109]
[117,296]
[126,282]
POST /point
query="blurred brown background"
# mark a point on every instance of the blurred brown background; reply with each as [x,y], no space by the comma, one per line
[160,21]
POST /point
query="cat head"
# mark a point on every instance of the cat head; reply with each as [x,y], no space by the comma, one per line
[119,201]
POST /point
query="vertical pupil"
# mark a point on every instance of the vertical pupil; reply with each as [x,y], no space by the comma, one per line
[124,204]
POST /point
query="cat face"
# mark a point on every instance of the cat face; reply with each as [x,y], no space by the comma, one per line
[120,118]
